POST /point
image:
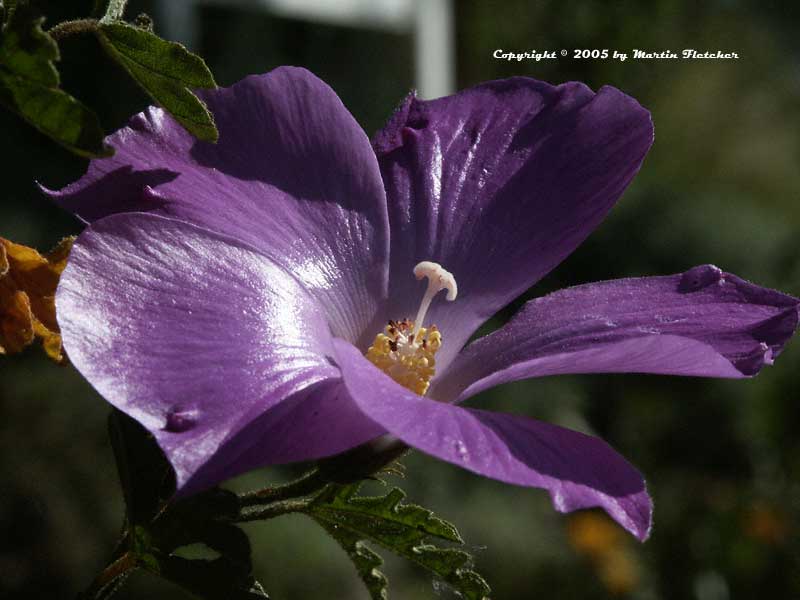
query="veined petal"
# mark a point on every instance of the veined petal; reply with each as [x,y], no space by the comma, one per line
[198,337]
[316,422]
[578,471]
[702,322]
[293,175]
[498,184]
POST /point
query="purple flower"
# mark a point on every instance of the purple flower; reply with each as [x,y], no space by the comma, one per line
[226,295]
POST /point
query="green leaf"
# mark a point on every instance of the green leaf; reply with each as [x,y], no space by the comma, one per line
[229,576]
[366,561]
[156,529]
[146,477]
[210,579]
[166,71]
[29,87]
[404,529]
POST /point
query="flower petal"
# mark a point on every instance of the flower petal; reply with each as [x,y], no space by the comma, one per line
[498,184]
[577,470]
[28,283]
[314,423]
[199,337]
[702,322]
[293,175]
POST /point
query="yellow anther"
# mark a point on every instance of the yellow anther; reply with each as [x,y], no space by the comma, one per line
[405,357]
[405,350]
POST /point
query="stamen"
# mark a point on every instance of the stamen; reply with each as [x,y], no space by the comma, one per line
[438,279]
[405,350]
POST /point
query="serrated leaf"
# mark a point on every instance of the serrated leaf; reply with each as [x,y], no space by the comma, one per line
[404,529]
[29,87]
[166,71]
[366,561]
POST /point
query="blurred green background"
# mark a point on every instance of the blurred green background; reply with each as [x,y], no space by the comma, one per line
[721,185]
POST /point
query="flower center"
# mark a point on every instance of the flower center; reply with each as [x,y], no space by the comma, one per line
[405,350]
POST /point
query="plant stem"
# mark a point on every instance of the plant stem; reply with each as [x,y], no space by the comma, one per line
[115,10]
[68,28]
[304,486]
[104,584]
[276,509]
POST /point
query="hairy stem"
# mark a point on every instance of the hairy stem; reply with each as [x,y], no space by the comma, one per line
[68,28]
[276,509]
[114,10]
[307,484]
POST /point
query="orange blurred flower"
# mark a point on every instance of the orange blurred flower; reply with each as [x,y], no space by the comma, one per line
[767,524]
[28,283]
[598,539]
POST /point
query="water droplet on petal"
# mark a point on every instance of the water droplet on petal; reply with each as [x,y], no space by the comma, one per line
[461,449]
[667,320]
[180,419]
[648,330]
[700,277]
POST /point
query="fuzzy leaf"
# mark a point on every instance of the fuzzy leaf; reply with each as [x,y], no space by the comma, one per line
[166,71]
[29,87]
[366,561]
[405,529]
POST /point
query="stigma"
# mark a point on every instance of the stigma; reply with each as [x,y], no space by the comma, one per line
[406,350]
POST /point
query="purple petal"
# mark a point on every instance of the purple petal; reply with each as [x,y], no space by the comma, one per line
[702,322]
[200,338]
[314,423]
[293,175]
[577,470]
[499,183]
